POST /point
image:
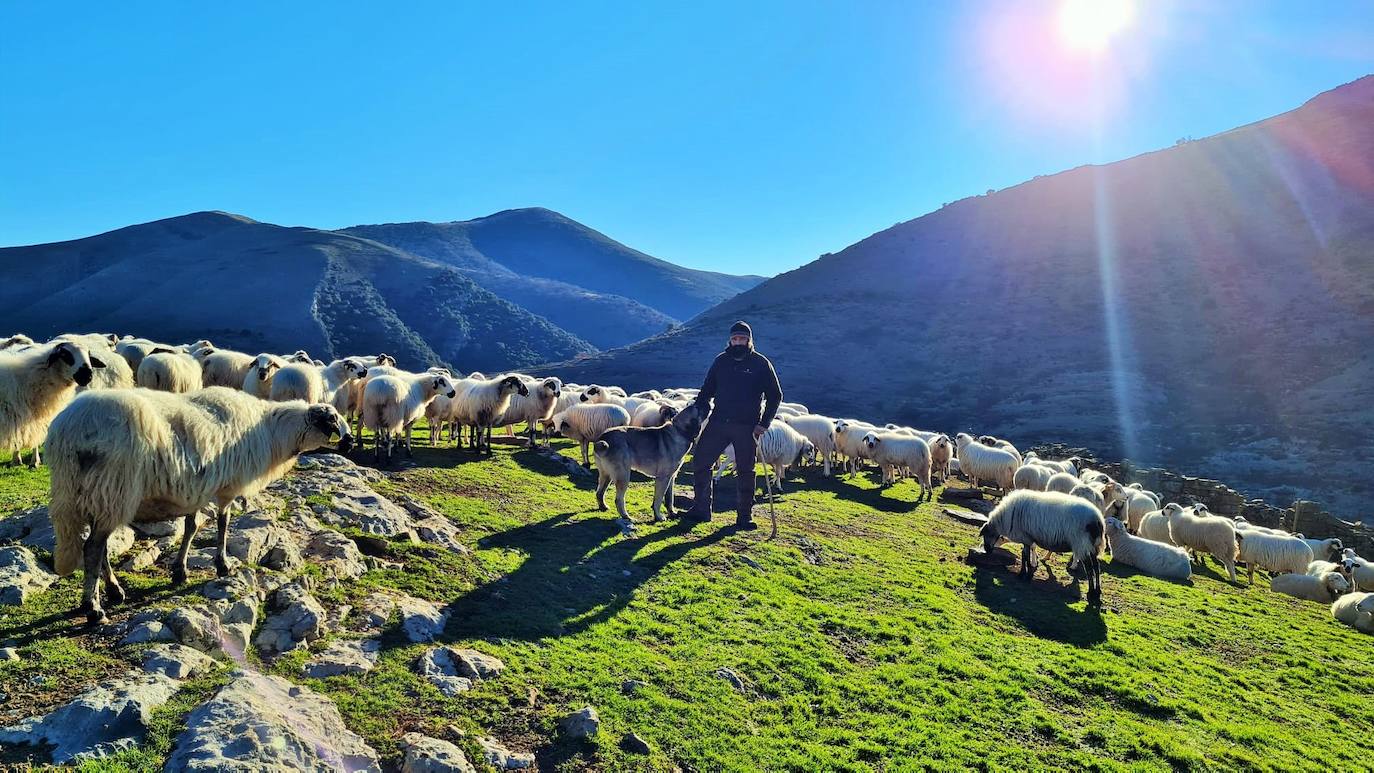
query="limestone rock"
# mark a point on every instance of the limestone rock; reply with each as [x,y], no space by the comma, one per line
[336,554]
[367,511]
[431,755]
[421,621]
[476,665]
[176,661]
[101,721]
[344,657]
[297,620]
[21,575]
[32,527]
[147,632]
[439,667]
[581,724]
[501,758]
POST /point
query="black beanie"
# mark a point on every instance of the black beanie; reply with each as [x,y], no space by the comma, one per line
[742,328]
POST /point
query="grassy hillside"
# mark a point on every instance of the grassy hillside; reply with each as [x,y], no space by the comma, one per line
[862,639]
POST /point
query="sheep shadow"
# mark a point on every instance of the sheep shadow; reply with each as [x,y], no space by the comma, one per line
[1040,606]
[571,579]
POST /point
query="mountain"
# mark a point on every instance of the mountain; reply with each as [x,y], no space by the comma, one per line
[1209,306]
[262,287]
[582,280]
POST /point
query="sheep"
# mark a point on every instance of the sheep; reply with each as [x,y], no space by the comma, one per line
[1355,610]
[584,423]
[1244,525]
[343,385]
[570,395]
[1345,568]
[35,384]
[1057,522]
[849,441]
[16,341]
[1152,495]
[1061,482]
[302,357]
[1276,553]
[1091,494]
[801,410]
[648,394]
[941,455]
[1323,588]
[224,367]
[481,404]
[1136,503]
[173,455]
[1155,525]
[1325,549]
[1062,466]
[169,371]
[258,380]
[979,460]
[1031,476]
[1361,570]
[600,395]
[1153,558]
[133,350]
[297,381]
[992,442]
[532,406]
[893,451]
[778,448]
[654,414]
[1093,476]
[394,403]
[820,430]
[1196,530]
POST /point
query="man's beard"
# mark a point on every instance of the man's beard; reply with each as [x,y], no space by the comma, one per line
[737,351]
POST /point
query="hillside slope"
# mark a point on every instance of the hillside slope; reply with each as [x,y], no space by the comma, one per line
[1209,305]
[588,283]
[256,286]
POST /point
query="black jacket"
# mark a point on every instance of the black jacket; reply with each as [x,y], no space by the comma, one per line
[739,386]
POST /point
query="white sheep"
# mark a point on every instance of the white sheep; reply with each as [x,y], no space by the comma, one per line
[16,341]
[980,461]
[820,430]
[1361,570]
[778,448]
[481,404]
[570,395]
[1274,552]
[941,454]
[1155,525]
[595,394]
[170,456]
[849,442]
[1005,445]
[134,350]
[35,384]
[654,414]
[297,381]
[1244,525]
[1057,466]
[224,367]
[394,403]
[1090,493]
[168,371]
[1135,503]
[1324,549]
[533,406]
[1323,588]
[1194,529]
[258,380]
[585,422]
[893,451]
[1056,522]
[1062,482]
[1355,610]
[1153,558]
[343,382]
[1031,476]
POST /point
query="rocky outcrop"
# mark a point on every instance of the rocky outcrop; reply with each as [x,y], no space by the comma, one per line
[21,575]
[101,721]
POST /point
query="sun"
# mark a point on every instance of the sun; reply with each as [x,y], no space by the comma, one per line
[1090,25]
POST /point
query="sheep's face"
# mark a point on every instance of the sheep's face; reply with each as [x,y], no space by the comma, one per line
[1172,510]
[77,361]
[265,365]
[808,453]
[1114,526]
[1336,583]
[987,440]
[666,413]
[300,356]
[553,386]
[323,422]
[841,426]
[356,369]
[990,536]
[443,386]
[592,394]
[962,439]
[871,441]
[386,359]
[513,384]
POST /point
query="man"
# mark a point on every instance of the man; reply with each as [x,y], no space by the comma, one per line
[739,380]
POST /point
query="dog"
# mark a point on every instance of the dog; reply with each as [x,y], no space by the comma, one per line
[654,451]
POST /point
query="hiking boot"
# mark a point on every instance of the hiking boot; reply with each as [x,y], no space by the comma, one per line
[695,516]
[746,526]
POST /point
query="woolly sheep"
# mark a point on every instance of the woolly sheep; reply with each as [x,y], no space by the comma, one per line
[1276,553]
[1031,476]
[1345,568]
[174,455]
[224,367]
[1361,570]
[994,442]
[941,455]
[35,384]
[1057,466]
[302,357]
[1061,482]
[343,385]
[849,441]
[1135,503]
[1323,588]
[1092,494]
[134,350]
[596,394]
[893,451]
[778,448]
[169,371]
[1153,558]
[258,380]
[585,422]
[1325,549]
[533,406]
[481,404]
[820,430]
[16,341]
[570,395]
[297,381]
[1056,522]
[394,403]
[654,414]
[1195,530]
[1244,525]
[1155,525]
[1355,610]
[980,461]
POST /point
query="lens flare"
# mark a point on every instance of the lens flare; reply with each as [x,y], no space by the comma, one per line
[1090,25]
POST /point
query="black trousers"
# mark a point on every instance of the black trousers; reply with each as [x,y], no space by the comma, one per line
[712,443]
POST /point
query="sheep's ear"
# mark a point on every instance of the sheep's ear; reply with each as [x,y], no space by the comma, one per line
[162,350]
[96,362]
[322,419]
[63,353]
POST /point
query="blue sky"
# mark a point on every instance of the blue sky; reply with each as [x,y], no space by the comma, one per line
[742,137]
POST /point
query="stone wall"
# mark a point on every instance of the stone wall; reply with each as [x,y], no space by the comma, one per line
[1302,517]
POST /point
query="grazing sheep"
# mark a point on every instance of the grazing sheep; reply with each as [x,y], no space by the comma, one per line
[1355,610]
[35,384]
[655,451]
[1323,588]
[980,461]
[1276,553]
[532,406]
[1194,529]
[173,455]
[1061,482]
[654,414]
[16,341]
[297,381]
[481,404]
[224,367]
[1056,522]
[585,423]
[169,371]
[1325,549]
[1153,558]
[394,403]
[893,452]
[820,430]
[849,441]
[1031,476]
[1155,525]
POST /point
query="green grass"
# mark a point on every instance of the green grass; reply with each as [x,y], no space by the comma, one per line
[865,641]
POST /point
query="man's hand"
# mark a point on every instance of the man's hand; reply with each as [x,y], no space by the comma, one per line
[758,432]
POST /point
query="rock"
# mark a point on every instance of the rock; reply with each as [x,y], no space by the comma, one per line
[261,722]
[476,665]
[581,724]
[101,721]
[33,528]
[728,674]
[421,621]
[195,627]
[431,755]
[21,575]
[633,744]
[148,631]
[344,657]
[284,556]
[158,529]
[438,530]
[241,583]
[501,758]
[632,686]
[142,557]
[8,653]
[336,554]
[370,512]
[252,535]
[297,620]
[439,667]
[176,661]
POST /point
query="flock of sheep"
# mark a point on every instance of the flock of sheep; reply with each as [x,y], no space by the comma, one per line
[201,426]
